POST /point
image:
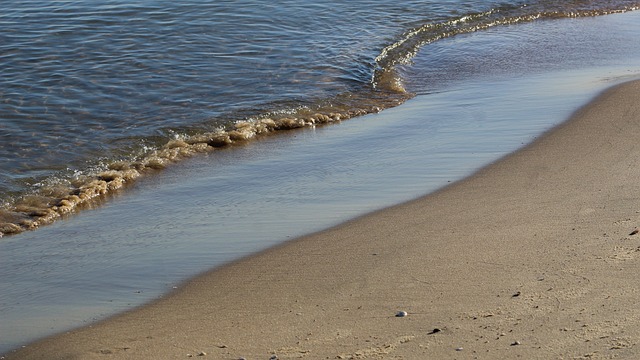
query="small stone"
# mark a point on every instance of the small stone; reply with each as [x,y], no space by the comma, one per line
[635,231]
[202,353]
[459,349]
[515,343]
[434,331]
[516,294]
[401,314]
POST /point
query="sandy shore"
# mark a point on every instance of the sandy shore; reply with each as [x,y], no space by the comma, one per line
[531,257]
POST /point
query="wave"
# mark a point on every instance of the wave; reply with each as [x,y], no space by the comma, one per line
[58,197]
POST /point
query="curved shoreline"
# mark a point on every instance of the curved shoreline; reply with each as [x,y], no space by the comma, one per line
[531,256]
[69,195]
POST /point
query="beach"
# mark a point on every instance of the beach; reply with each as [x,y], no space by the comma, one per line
[532,256]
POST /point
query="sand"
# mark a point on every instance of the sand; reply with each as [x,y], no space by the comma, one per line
[530,257]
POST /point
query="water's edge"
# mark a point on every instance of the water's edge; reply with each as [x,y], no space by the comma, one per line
[171,226]
[89,189]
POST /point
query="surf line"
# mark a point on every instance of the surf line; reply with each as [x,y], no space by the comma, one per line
[49,204]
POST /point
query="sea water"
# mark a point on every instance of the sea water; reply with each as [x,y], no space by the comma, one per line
[475,80]
[94,95]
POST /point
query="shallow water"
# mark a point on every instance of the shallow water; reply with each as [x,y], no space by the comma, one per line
[93,96]
[223,205]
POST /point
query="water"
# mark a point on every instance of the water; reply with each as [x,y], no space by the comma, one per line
[140,81]
[95,94]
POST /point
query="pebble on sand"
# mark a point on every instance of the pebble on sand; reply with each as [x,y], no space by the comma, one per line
[401,314]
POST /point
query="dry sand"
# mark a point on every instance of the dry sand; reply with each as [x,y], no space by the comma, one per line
[531,257]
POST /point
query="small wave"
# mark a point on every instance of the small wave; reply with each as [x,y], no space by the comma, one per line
[89,188]
[52,202]
[406,47]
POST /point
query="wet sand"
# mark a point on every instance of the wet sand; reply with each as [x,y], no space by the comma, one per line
[532,256]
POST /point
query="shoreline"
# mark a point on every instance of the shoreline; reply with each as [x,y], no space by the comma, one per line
[530,256]
[243,200]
